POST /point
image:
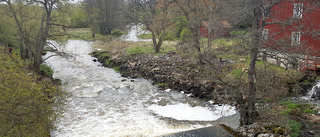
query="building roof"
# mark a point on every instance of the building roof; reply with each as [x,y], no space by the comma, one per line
[219,24]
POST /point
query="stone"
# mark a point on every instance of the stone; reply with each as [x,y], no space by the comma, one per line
[156,69]
[278,130]
[251,130]
[310,132]
[264,135]
[132,64]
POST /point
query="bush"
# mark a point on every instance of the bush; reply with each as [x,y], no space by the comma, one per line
[168,38]
[116,69]
[185,35]
[117,33]
[46,70]
[26,103]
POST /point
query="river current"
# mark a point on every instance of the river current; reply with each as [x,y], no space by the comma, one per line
[102,103]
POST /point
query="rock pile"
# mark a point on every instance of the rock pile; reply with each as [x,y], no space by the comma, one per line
[255,130]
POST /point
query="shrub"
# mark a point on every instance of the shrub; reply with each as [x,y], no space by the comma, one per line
[26,103]
[168,38]
[46,70]
[117,32]
[116,69]
[185,35]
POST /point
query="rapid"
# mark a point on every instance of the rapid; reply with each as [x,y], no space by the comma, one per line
[99,102]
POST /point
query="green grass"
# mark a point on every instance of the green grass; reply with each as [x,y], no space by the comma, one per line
[309,111]
[297,108]
[146,48]
[145,36]
[162,84]
[239,73]
[86,34]
[225,41]
[238,32]
[220,42]
[116,69]
[295,128]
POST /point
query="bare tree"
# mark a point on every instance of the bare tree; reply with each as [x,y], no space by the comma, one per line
[153,14]
[194,12]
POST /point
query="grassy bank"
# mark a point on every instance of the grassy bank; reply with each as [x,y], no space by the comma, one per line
[86,34]
[26,99]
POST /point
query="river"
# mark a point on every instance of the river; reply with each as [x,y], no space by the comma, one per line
[101,103]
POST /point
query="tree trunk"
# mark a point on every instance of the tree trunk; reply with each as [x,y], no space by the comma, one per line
[154,40]
[210,31]
[93,34]
[196,44]
[198,48]
[247,110]
[161,39]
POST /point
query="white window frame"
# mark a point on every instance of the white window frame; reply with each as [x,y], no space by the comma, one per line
[297,10]
[295,38]
[265,33]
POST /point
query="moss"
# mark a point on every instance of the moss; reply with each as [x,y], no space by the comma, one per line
[46,70]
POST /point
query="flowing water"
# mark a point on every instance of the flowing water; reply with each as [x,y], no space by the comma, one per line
[311,95]
[102,103]
[134,31]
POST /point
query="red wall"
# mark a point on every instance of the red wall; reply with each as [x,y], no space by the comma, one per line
[309,22]
[204,31]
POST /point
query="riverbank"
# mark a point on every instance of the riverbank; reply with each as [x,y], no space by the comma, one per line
[172,70]
[27,98]
[168,71]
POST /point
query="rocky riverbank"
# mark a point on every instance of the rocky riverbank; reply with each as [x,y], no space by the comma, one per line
[168,71]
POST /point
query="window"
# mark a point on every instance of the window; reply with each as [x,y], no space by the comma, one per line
[265,33]
[295,38]
[297,10]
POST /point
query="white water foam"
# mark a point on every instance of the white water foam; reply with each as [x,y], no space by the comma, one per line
[311,92]
[186,112]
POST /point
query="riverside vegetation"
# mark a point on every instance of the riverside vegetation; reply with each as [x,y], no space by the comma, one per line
[219,80]
[27,99]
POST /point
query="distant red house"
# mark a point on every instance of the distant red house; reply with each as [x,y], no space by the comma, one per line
[294,26]
[219,29]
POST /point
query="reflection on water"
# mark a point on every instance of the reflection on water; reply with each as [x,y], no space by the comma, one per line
[102,103]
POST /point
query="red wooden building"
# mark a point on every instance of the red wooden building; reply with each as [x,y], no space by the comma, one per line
[219,29]
[293,26]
